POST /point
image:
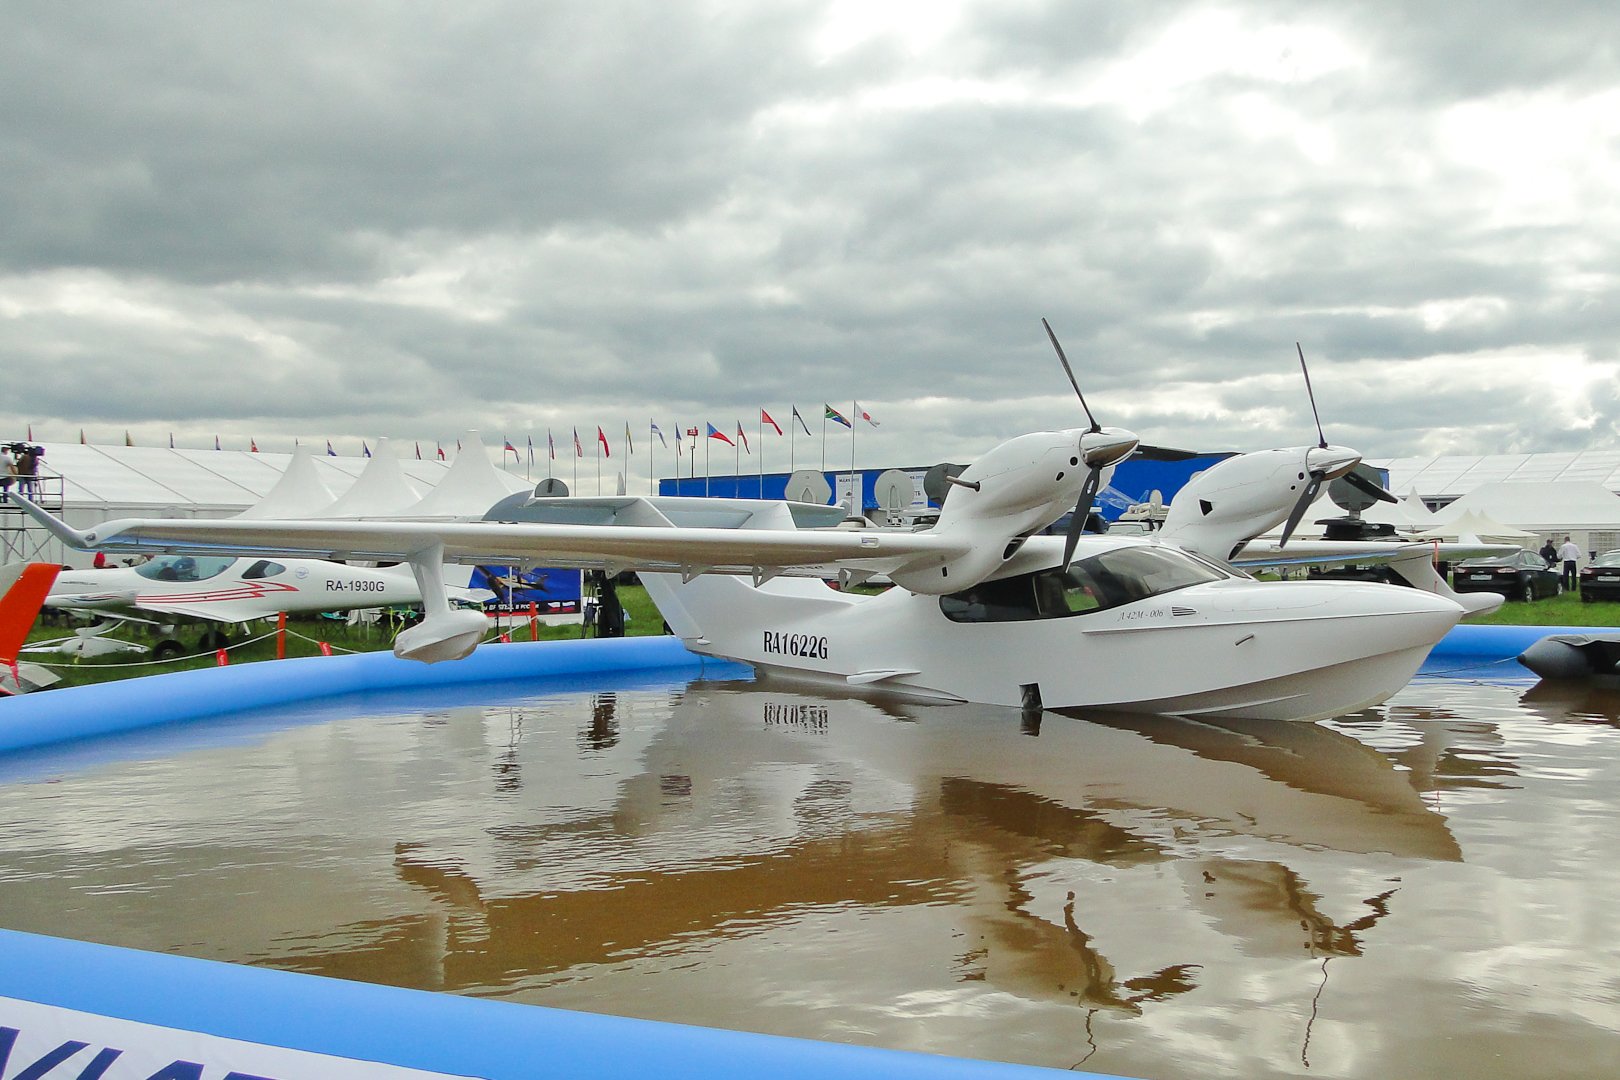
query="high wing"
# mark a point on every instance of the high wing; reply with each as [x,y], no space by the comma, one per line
[758,538]
[1269,552]
[1414,562]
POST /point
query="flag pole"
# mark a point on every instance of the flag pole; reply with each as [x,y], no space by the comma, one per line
[652,462]
[762,453]
[706,442]
[736,468]
[824,439]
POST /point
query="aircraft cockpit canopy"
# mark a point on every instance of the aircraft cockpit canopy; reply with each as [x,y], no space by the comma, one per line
[1097,583]
[184,567]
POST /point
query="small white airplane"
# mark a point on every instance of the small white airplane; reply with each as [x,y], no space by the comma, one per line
[225,590]
[984,610]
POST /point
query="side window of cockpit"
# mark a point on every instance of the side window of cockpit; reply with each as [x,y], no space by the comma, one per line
[264,568]
[1008,600]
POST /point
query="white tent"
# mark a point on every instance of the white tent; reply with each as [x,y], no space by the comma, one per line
[1407,515]
[1472,525]
[1565,506]
[299,493]
[471,487]
[381,490]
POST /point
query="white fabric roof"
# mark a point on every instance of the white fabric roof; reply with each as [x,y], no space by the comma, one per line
[151,480]
[1450,477]
[1471,524]
[1568,504]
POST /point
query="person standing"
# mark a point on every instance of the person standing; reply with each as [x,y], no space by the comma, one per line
[1549,554]
[27,466]
[8,466]
[1569,553]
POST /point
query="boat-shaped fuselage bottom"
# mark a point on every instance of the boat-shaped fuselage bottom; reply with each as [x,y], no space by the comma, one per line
[1229,647]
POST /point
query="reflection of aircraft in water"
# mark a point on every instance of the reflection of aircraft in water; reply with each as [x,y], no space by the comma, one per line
[748,810]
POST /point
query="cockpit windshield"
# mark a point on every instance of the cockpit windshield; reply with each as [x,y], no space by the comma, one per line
[184,567]
[1112,579]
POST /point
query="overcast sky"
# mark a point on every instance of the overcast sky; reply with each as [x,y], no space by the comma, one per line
[407,219]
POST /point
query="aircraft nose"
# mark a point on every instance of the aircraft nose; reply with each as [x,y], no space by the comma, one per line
[1110,446]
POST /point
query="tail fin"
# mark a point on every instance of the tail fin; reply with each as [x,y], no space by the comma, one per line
[23,588]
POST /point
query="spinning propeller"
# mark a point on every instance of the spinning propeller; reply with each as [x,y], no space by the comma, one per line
[1324,463]
[1098,449]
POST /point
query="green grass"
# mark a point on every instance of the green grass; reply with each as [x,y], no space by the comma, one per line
[304,635]
[1565,610]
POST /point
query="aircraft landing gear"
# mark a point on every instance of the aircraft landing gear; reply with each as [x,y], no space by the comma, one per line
[168,649]
[212,641]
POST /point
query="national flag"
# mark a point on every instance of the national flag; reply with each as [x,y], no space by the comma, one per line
[716,433]
[509,448]
[418,449]
[601,438]
[216,443]
[439,450]
[253,446]
[82,440]
[800,419]
[551,446]
[835,416]
[531,449]
[765,417]
[329,451]
[171,440]
[579,451]
[30,432]
[692,431]
[458,446]
[629,446]
[743,437]
[365,451]
[661,440]
[864,415]
[127,440]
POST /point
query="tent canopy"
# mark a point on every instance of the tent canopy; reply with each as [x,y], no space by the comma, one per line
[1552,507]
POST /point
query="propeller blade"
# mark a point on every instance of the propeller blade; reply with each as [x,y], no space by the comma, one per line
[1082,511]
[1306,497]
[1321,438]
[1064,360]
[1356,480]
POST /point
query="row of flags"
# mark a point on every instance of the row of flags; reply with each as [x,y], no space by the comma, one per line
[765,420]
[692,432]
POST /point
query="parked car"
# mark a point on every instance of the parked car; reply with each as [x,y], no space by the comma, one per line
[1521,576]
[1600,580]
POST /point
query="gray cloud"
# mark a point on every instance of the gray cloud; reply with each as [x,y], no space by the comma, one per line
[372,220]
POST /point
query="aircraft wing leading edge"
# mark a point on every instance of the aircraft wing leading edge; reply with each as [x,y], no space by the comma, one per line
[654,547]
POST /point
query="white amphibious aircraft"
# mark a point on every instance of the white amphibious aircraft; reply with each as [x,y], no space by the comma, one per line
[984,610]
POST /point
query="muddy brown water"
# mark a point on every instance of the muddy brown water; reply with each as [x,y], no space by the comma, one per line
[1429,888]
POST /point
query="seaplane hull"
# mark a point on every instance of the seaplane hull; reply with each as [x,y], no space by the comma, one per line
[1227,648]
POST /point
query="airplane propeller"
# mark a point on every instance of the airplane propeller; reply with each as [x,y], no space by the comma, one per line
[1324,468]
[1098,449]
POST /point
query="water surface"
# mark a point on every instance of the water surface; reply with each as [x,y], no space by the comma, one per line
[1426,888]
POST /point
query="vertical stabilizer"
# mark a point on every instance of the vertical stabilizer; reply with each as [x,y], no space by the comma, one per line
[23,588]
